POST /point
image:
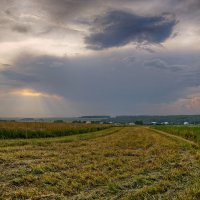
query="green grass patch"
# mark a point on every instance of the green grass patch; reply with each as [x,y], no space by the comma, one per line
[188,132]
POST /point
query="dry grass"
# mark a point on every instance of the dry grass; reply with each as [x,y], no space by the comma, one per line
[116,163]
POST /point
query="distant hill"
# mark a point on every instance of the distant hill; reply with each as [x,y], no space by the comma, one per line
[96,116]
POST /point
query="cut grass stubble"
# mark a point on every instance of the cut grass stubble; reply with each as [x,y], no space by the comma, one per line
[116,163]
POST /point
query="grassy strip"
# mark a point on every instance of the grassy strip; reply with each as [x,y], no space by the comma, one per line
[191,133]
[64,139]
[181,140]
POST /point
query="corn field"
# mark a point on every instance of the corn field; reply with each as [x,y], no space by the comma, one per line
[12,130]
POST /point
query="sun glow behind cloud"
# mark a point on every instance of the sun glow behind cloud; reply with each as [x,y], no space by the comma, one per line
[32,93]
[32,103]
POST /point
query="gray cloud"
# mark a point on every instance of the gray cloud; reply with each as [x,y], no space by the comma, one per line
[36,19]
[96,84]
[64,10]
[41,18]
[160,64]
[187,6]
[115,81]
[21,29]
[118,28]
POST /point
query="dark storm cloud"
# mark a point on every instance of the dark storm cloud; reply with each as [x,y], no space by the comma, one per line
[63,11]
[95,83]
[118,28]
[28,70]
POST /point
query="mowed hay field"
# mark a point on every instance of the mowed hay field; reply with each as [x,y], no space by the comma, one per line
[115,163]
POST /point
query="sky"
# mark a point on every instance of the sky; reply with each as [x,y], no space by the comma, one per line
[69,58]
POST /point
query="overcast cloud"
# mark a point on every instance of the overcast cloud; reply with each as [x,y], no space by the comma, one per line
[74,57]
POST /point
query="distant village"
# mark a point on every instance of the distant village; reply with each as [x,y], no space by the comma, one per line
[118,120]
